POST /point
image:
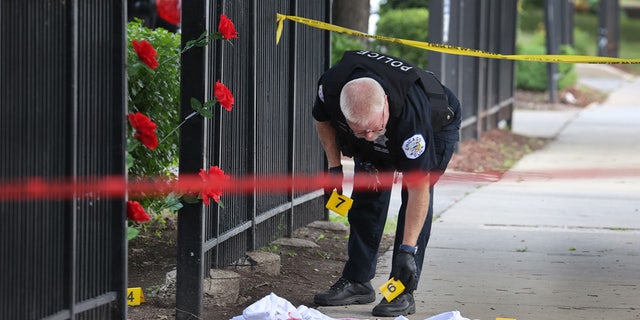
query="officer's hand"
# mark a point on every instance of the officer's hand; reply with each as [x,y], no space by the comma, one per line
[335,176]
[405,269]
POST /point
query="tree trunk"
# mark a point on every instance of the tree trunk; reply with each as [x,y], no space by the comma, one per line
[352,14]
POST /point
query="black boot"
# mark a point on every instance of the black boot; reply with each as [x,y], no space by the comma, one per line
[346,292]
[401,305]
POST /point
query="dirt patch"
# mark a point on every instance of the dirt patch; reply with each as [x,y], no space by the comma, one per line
[307,270]
[495,152]
[303,272]
[573,97]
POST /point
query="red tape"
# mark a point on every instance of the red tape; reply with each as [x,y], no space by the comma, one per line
[36,188]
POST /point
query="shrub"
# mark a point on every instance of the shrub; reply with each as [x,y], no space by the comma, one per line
[568,76]
[532,75]
[157,93]
[411,24]
[343,42]
[583,42]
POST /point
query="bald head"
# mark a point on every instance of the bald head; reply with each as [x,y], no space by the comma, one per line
[361,99]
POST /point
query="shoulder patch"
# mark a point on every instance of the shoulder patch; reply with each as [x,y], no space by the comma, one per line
[414,146]
[320,93]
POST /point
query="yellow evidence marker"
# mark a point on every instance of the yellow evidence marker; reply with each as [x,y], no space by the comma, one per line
[135,296]
[339,203]
[391,289]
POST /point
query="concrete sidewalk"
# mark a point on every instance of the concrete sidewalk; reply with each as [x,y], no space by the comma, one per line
[558,237]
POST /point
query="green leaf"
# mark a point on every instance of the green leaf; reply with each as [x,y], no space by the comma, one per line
[201,41]
[203,111]
[189,45]
[196,105]
[172,202]
[191,199]
[133,145]
[216,36]
[221,204]
[210,103]
[176,206]
[206,113]
[132,233]
[130,160]
[134,68]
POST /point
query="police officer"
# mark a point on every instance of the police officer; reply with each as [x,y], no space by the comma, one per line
[390,116]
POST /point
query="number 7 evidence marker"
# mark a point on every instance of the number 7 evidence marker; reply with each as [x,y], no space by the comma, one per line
[339,203]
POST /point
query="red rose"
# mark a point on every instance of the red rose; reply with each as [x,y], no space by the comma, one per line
[145,129]
[169,10]
[210,189]
[226,28]
[146,53]
[223,95]
[136,212]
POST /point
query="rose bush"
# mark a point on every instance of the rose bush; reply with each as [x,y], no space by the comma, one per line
[145,130]
[136,212]
[211,191]
[146,53]
[169,10]
[153,77]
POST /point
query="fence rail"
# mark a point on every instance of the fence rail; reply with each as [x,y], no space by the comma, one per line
[269,131]
[485,86]
[62,114]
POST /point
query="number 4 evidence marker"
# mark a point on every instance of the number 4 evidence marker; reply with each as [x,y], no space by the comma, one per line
[135,296]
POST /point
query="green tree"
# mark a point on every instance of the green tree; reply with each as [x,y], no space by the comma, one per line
[409,24]
[387,5]
[341,43]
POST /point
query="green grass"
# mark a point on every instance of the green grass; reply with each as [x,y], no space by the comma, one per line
[586,33]
[389,227]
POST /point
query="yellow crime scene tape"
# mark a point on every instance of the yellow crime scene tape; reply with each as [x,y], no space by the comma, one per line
[452,49]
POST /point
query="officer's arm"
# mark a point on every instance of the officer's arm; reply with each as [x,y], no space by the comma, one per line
[417,208]
[327,135]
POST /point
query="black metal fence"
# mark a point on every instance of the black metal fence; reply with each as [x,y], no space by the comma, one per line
[270,131]
[62,114]
[485,86]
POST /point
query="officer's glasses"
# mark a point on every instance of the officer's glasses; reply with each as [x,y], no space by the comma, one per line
[376,132]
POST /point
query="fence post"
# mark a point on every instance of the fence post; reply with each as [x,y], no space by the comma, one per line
[552,14]
[190,264]
[609,28]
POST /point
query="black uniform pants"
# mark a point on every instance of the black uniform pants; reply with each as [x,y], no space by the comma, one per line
[367,218]
[368,215]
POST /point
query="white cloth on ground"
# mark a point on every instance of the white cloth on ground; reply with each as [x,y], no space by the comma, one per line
[272,307]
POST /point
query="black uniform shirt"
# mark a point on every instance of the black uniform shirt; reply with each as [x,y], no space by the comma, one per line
[407,144]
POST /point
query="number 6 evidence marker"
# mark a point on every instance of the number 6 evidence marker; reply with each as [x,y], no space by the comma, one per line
[339,203]
[391,289]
